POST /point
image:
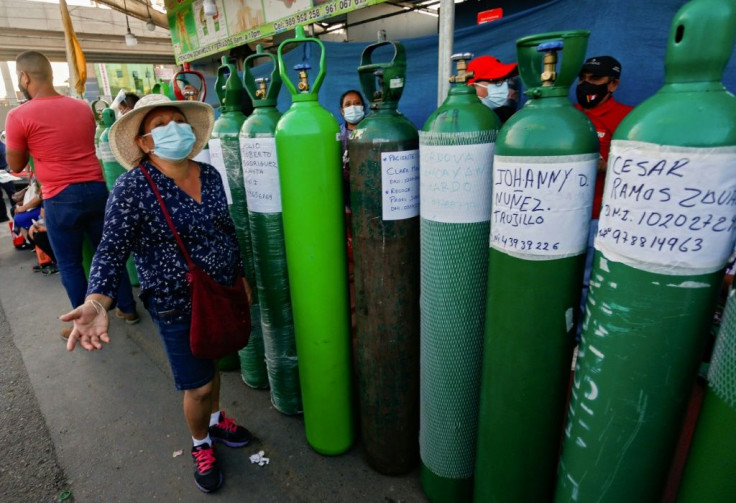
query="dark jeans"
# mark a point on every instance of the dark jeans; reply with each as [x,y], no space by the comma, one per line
[9,189]
[76,211]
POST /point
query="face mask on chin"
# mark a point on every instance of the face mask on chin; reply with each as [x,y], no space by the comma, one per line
[174,141]
[591,95]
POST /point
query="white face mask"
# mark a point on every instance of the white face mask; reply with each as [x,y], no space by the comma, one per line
[353,114]
[497,95]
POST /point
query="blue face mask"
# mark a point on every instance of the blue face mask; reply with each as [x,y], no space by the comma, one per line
[174,141]
[497,95]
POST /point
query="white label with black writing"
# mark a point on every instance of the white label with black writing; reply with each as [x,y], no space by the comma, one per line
[218,161]
[541,206]
[669,210]
[455,182]
[400,184]
[261,174]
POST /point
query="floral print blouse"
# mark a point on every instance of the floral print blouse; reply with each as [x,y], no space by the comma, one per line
[135,222]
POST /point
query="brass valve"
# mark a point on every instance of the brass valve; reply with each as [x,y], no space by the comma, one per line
[463,75]
[303,85]
[262,87]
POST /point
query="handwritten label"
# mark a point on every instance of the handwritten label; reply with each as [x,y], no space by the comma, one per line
[455,182]
[218,161]
[104,152]
[261,174]
[669,210]
[400,184]
[542,205]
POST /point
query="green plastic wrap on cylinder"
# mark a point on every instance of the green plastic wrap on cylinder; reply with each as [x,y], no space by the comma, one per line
[543,179]
[456,152]
[666,230]
[314,229]
[709,473]
[261,176]
[384,186]
[224,150]
[111,170]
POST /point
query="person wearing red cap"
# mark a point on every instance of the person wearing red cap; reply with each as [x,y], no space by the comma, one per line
[598,79]
[497,84]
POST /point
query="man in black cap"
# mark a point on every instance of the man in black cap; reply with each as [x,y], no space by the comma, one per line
[598,78]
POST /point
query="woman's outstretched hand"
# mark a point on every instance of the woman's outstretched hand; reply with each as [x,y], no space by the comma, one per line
[90,326]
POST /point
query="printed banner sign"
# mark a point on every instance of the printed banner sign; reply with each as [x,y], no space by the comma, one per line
[237,22]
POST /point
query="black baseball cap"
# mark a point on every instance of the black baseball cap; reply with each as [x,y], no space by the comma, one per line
[602,66]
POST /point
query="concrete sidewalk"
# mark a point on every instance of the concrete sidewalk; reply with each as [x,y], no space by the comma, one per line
[113,419]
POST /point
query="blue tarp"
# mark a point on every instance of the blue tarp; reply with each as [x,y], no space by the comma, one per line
[633,31]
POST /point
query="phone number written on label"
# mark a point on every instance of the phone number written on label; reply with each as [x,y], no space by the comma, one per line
[522,244]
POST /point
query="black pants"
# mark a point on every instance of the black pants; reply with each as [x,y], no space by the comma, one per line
[9,189]
[41,239]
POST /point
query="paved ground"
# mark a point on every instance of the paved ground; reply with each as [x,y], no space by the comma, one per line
[106,425]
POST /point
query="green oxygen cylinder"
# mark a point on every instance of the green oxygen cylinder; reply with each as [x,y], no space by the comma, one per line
[543,179]
[456,148]
[98,106]
[162,87]
[111,170]
[384,194]
[224,147]
[667,227]
[310,173]
[261,177]
[711,463]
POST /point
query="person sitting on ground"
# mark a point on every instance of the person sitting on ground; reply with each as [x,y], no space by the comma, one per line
[5,186]
[38,236]
[497,85]
[26,211]
[164,135]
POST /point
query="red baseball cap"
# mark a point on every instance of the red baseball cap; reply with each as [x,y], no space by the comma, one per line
[490,68]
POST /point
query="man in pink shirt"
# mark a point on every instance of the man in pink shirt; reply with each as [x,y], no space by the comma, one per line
[58,132]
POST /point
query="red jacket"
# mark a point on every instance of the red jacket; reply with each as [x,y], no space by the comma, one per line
[605,118]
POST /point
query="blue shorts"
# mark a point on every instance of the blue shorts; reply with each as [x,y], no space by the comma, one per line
[189,371]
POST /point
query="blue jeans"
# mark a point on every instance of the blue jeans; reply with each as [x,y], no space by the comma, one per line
[76,212]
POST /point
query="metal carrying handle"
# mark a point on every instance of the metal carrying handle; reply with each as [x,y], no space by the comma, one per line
[304,92]
[188,96]
[258,88]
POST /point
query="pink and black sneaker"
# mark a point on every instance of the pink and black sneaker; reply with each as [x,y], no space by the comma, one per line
[207,474]
[229,433]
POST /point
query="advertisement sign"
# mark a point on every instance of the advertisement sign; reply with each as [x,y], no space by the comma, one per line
[237,22]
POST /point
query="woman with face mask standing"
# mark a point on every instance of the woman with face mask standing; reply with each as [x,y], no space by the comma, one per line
[497,85]
[158,138]
[352,109]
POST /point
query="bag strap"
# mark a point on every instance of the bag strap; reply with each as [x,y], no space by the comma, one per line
[166,214]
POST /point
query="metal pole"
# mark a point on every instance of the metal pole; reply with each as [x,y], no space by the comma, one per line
[447,32]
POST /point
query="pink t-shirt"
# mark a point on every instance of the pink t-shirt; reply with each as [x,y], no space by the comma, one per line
[59,133]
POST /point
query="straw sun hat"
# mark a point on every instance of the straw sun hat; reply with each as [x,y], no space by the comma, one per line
[124,131]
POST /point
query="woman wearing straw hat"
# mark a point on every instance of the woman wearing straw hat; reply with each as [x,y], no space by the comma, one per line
[163,136]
